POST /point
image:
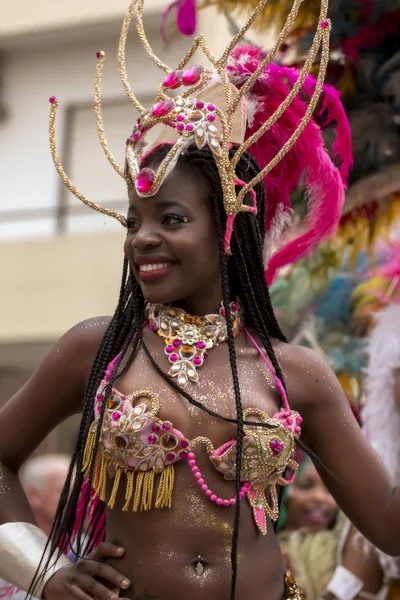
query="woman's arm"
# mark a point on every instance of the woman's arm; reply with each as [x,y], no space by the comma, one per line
[351,470]
[52,394]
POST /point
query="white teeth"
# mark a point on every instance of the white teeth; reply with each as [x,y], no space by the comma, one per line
[154,267]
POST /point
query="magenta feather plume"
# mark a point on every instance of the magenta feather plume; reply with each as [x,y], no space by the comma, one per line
[186,18]
[307,161]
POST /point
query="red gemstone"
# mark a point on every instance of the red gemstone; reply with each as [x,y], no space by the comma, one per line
[184,443]
[116,416]
[145,180]
[180,118]
[166,426]
[173,80]
[176,343]
[210,107]
[174,357]
[201,345]
[324,24]
[192,75]
[183,455]
[199,104]
[52,100]
[235,307]
[170,457]
[180,127]
[155,428]
[211,117]
[163,108]
[189,127]
[169,349]
[197,361]
[100,54]
[152,439]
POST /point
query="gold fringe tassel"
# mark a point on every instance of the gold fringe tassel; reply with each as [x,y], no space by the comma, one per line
[138,490]
[129,489]
[117,479]
[166,487]
[142,490]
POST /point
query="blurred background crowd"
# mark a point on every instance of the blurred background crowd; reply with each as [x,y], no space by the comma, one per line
[343,300]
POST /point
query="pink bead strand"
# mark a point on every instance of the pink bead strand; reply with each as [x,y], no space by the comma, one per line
[209,493]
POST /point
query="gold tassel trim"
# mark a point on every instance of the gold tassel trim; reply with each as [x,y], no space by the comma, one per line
[166,487]
[139,484]
[113,497]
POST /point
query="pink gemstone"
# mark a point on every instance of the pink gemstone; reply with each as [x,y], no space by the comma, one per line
[242,494]
[170,457]
[52,99]
[226,502]
[189,127]
[99,409]
[235,307]
[100,54]
[197,361]
[155,428]
[213,497]
[289,421]
[173,80]
[116,416]
[192,75]
[205,355]
[174,357]
[219,501]
[169,349]
[152,326]
[211,117]
[145,180]
[135,136]
[195,469]
[192,462]
[176,343]
[163,108]
[200,481]
[180,127]
[201,345]
[272,444]
[208,493]
[152,439]
[180,118]
[99,398]
[210,107]
[232,501]
[223,312]
[191,455]
[198,475]
[182,455]
[324,24]
[166,426]
[184,443]
[199,104]
[204,487]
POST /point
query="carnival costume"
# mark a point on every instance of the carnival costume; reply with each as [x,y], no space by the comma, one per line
[243,102]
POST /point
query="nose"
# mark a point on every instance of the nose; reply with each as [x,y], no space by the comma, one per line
[146,238]
[321,494]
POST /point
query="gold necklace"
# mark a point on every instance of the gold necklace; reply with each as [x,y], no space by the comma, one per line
[188,338]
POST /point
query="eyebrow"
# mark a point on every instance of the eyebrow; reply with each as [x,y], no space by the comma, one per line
[161,204]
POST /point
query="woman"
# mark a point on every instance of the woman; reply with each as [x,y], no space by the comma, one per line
[161,386]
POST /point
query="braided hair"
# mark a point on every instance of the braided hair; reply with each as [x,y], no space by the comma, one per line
[243,277]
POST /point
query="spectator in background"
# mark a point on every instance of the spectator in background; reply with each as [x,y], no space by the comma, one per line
[42,478]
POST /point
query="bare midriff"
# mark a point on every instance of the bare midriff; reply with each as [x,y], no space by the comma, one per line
[184,553]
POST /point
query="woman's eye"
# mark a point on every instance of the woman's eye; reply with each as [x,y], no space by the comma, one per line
[174,219]
[132,225]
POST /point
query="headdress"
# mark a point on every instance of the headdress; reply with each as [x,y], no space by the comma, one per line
[244,102]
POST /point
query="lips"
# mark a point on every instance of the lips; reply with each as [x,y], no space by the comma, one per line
[153,267]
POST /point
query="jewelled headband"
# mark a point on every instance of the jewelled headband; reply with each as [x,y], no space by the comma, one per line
[210,111]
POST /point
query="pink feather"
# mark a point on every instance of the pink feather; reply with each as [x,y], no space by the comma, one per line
[8,591]
[308,157]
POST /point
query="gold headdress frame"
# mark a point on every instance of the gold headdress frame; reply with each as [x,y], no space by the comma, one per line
[189,119]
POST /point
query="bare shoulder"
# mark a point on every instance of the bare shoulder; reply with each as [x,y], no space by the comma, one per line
[308,377]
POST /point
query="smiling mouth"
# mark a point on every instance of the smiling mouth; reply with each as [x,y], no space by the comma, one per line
[150,268]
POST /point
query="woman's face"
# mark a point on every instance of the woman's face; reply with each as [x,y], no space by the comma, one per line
[171,244]
[309,503]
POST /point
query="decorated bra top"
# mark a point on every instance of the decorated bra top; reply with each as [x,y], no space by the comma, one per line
[135,444]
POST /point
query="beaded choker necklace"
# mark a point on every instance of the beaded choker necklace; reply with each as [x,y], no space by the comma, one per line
[188,338]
